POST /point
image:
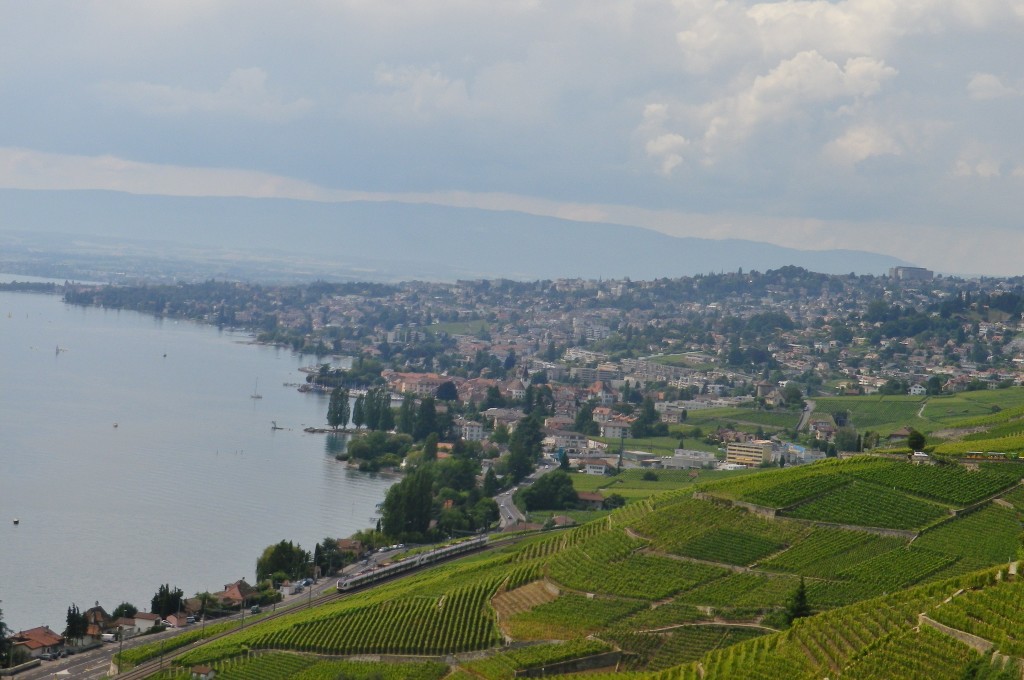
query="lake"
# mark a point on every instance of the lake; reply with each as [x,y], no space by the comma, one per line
[134,455]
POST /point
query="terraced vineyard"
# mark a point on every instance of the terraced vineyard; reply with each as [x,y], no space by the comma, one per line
[995,614]
[678,581]
[867,505]
[503,666]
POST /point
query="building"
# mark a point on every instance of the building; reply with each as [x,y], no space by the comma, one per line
[591,500]
[910,274]
[684,459]
[750,454]
[570,442]
[470,430]
[37,641]
[615,429]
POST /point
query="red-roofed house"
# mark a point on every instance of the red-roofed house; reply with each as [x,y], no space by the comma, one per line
[234,594]
[37,641]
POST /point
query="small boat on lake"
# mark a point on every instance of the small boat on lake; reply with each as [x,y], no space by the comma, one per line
[256,392]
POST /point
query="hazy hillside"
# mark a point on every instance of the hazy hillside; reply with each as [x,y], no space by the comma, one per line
[396,241]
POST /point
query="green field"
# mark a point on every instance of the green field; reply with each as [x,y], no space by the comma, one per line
[459,327]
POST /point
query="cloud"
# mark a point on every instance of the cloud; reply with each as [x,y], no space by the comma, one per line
[861,142]
[984,86]
[244,93]
[806,87]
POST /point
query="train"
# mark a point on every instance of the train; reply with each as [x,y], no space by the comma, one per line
[414,562]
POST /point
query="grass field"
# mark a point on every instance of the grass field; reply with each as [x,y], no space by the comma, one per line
[459,327]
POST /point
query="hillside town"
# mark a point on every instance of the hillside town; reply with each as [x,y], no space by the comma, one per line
[612,360]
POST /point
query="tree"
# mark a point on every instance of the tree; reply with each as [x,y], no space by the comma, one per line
[500,434]
[563,459]
[286,557]
[792,395]
[447,391]
[430,447]
[406,511]
[491,485]
[166,601]
[553,491]
[613,501]
[584,423]
[125,609]
[6,648]
[359,411]
[77,625]
[207,601]
[915,440]
[426,419]
[338,408]
[798,607]
[645,420]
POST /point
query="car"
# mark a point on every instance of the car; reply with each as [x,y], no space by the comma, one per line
[46,656]
[165,622]
[255,609]
[400,546]
[190,619]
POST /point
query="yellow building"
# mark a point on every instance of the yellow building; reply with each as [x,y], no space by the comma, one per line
[751,454]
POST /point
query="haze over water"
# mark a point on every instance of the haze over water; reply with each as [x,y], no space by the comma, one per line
[187,489]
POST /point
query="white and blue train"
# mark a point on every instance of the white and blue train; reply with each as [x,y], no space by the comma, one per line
[414,562]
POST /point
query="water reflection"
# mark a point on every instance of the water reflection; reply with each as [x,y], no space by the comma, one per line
[335,444]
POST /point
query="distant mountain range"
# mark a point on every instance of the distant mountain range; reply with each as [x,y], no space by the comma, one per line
[395,241]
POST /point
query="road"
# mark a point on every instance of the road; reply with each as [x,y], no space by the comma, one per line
[805,417]
[510,515]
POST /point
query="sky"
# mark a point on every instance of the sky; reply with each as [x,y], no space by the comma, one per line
[893,126]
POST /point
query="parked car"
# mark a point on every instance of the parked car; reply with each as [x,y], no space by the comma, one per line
[255,609]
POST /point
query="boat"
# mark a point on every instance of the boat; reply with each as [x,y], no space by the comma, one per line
[256,392]
[274,425]
[17,521]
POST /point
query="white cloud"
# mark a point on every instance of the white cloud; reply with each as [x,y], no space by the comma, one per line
[988,86]
[243,93]
[802,84]
[668,148]
[861,142]
[984,168]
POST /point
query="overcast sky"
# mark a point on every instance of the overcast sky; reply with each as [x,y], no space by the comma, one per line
[886,125]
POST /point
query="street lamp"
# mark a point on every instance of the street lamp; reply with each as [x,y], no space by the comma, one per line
[120,647]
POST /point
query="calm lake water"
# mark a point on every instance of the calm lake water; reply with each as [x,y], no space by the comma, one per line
[188,487]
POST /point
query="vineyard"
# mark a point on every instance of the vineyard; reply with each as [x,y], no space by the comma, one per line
[826,551]
[989,536]
[1013,443]
[456,622]
[863,504]
[874,412]
[503,666]
[570,616]
[995,614]
[685,526]
[676,581]
[658,651]
[608,563]
[951,484]
[281,666]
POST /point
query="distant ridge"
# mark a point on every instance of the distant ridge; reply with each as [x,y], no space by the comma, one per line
[390,241]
